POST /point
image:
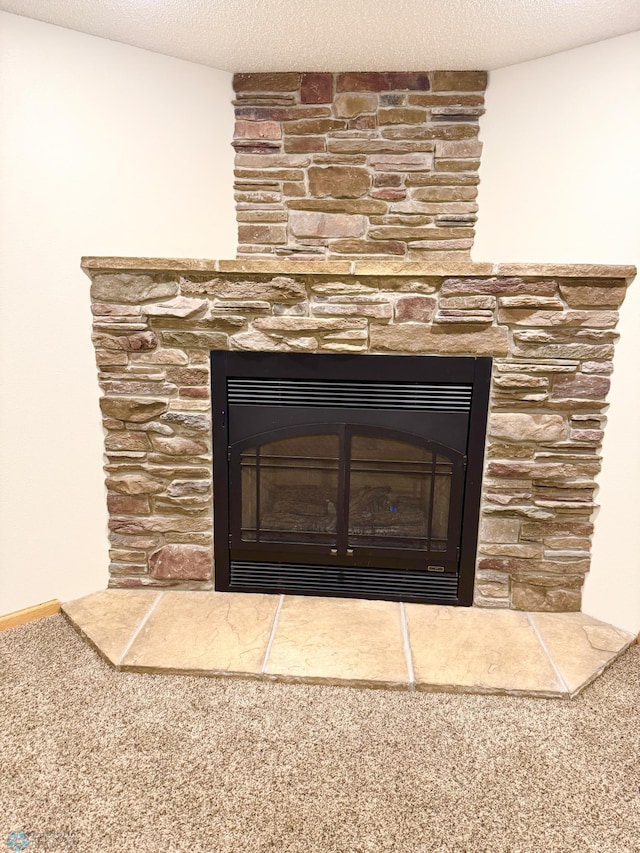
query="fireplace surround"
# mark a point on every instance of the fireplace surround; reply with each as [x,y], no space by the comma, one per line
[549,329]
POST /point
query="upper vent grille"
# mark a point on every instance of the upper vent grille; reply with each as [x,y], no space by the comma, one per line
[415,396]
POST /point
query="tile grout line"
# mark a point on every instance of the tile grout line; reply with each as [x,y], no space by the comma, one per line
[407,647]
[543,645]
[139,628]
[274,628]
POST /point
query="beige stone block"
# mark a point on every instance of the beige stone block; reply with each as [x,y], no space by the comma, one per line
[137,410]
[368,247]
[423,268]
[589,296]
[134,483]
[531,301]
[179,446]
[422,339]
[477,650]
[604,271]
[108,619]
[335,639]
[445,194]
[402,115]
[365,206]
[318,224]
[525,551]
[281,288]
[256,341]
[390,158]
[287,324]
[161,356]
[459,148]
[348,104]
[338,181]
[523,427]
[204,632]
[130,288]
[264,162]
[499,529]
[580,646]
[378,311]
[526,317]
[554,593]
[314,126]
[458,81]
[282,268]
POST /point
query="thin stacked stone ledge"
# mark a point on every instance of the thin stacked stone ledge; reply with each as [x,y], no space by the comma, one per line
[154,326]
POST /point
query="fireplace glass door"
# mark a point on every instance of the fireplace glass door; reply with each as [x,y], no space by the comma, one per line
[351,491]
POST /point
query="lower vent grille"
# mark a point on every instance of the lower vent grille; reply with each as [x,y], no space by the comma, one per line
[302,578]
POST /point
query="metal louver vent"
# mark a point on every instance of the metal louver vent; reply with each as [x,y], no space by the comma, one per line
[403,585]
[415,396]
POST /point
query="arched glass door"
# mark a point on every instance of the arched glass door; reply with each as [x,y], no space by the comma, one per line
[345,492]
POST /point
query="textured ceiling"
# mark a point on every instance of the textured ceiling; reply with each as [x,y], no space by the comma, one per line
[345,35]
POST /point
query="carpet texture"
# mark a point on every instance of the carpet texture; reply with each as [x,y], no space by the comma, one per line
[93,760]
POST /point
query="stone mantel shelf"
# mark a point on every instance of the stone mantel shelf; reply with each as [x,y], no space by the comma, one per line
[366,267]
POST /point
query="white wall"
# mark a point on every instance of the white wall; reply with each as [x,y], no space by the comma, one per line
[560,181]
[105,149]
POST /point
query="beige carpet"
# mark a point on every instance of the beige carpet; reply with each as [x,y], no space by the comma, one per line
[162,763]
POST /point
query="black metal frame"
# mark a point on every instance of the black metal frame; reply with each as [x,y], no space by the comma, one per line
[468,464]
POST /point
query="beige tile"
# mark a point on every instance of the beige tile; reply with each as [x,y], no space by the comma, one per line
[109,618]
[205,632]
[339,640]
[469,648]
[580,645]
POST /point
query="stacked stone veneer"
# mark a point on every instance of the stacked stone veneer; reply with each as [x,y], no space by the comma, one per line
[357,164]
[551,331]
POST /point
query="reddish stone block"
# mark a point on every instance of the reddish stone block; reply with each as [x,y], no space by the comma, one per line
[128,504]
[287,82]
[316,88]
[368,122]
[181,562]
[138,342]
[418,309]
[389,194]
[384,81]
[304,144]
[257,130]
[391,179]
[195,392]
[581,386]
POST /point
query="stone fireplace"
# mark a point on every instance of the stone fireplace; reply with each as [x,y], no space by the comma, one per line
[356,205]
[549,329]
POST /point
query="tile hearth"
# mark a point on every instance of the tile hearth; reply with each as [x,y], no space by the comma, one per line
[350,642]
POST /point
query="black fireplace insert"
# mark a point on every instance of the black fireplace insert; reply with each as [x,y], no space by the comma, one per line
[348,475]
